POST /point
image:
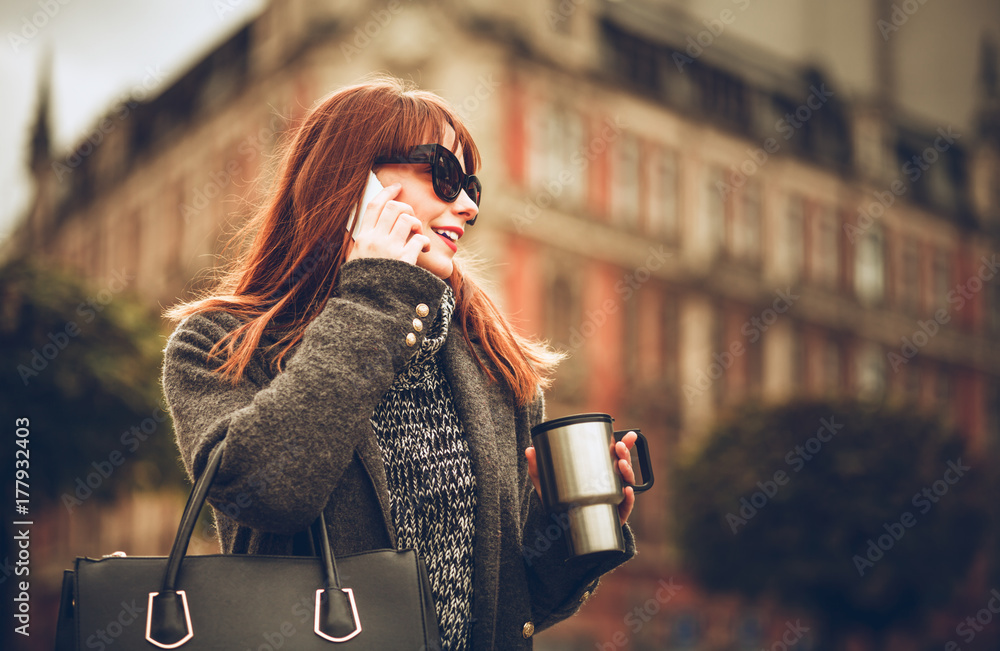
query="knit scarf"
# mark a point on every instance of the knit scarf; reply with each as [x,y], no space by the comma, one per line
[429,473]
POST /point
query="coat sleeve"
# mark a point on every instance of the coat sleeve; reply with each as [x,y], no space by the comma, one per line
[289,439]
[558,584]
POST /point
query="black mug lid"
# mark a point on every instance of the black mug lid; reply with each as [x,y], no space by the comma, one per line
[595,417]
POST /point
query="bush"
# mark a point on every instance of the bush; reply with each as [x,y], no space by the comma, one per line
[863,517]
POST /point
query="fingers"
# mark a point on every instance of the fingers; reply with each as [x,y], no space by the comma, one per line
[529,454]
[379,202]
[625,468]
[390,230]
[408,230]
[370,213]
[623,449]
[625,507]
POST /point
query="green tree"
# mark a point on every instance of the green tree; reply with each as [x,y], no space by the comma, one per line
[863,517]
[83,366]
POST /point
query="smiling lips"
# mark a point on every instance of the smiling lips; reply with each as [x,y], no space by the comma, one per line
[450,235]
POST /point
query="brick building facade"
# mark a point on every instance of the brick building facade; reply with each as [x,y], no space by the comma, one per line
[695,231]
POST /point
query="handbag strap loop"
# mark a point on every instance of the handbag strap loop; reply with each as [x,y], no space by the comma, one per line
[168,624]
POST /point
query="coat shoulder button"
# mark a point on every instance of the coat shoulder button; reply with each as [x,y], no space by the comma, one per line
[423,310]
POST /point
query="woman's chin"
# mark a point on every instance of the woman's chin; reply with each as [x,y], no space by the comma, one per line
[440,266]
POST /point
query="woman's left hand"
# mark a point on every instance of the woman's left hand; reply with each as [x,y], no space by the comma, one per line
[622,449]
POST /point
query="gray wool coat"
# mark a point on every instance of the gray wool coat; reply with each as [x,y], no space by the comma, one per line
[300,442]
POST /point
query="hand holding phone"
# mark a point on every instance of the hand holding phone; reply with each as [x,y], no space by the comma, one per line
[394,233]
[373,188]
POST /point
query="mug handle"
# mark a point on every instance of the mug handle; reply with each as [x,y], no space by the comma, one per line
[645,465]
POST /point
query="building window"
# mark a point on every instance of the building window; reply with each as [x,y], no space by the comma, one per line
[943,389]
[910,382]
[742,211]
[871,377]
[793,242]
[831,372]
[798,363]
[749,226]
[826,247]
[993,413]
[715,208]
[669,337]
[563,328]
[558,15]
[909,275]
[631,345]
[869,266]
[563,310]
[940,279]
[625,188]
[993,305]
[655,360]
[662,194]
[557,141]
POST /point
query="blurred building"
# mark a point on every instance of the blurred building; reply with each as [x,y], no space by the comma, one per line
[697,221]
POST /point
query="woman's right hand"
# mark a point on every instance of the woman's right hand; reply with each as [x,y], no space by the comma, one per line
[389,230]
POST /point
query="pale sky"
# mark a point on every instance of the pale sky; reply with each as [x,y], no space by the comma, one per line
[101,50]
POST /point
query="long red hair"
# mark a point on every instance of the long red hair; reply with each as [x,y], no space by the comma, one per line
[298,239]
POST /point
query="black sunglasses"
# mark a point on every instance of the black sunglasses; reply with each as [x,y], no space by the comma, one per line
[447,176]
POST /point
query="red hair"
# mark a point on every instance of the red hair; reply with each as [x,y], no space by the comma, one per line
[298,239]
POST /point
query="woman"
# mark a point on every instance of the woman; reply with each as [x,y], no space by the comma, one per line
[371,379]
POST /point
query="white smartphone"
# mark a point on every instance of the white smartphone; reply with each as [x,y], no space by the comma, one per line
[373,188]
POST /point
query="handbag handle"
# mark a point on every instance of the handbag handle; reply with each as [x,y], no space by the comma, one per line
[168,616]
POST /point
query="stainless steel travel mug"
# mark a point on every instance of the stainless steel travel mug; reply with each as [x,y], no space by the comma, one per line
[577,469]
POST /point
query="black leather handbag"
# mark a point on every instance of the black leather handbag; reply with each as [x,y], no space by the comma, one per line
[372,600]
